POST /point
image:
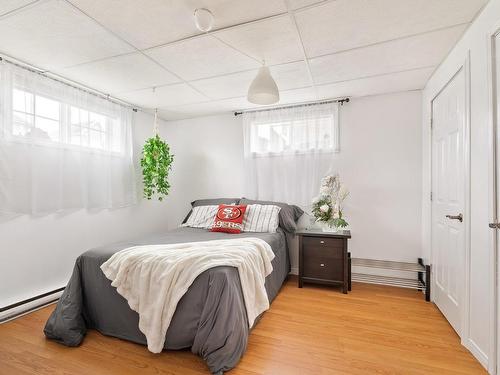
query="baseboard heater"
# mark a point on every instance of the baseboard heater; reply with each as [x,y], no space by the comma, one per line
[421,282]
[28,305]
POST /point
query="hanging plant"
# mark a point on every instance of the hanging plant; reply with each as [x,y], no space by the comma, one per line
[156,163]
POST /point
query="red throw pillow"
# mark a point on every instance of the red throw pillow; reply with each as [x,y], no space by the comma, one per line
[229,218]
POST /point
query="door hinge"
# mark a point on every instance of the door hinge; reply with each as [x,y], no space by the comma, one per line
[431,195]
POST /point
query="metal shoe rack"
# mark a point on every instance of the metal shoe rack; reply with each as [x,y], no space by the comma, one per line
[421,282]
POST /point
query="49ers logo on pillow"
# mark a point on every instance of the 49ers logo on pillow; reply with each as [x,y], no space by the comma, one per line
[229,219]
[228,213]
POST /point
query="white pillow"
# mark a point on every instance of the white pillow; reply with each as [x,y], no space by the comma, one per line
[201,217]
[261,218]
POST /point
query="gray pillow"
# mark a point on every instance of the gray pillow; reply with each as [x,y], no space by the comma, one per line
[289,214]
[214,201]
[210,202]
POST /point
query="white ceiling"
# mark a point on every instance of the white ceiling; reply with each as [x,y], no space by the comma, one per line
[150,54]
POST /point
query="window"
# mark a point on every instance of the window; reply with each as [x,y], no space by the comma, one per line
[288,150]
[301,129]
[62,148]
[35,115]
[39,117]
[302,135]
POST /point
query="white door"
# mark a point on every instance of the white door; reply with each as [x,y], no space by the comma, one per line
[496,220]
[448,199]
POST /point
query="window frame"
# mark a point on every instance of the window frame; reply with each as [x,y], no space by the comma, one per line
[65,124]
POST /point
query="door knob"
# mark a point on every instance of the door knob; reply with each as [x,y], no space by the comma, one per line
[458,217]
[494,225]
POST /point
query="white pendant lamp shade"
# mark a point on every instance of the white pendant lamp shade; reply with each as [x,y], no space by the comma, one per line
[263,89]
[204,19]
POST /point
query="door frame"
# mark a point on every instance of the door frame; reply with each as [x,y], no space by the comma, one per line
[494,366]
[465,313]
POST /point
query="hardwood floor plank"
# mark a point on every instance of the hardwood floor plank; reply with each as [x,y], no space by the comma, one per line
[315,330]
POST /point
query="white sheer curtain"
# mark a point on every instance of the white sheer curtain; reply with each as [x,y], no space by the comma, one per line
[61,148]
[288,151]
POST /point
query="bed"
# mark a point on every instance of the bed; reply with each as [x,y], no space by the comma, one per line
[210,319]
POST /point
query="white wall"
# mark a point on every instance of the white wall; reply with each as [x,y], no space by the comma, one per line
[380,162]
[208,161]
[37,254]
[474,43]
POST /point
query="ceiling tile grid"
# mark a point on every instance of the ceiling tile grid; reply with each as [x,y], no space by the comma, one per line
[176,94]
[150,23]
[287,76]
[52,34]
[382,84]
[123,48]
[232,104]
[7,6]
[201,57]
[120,73]
[398,55]
[274,40]
[340,25]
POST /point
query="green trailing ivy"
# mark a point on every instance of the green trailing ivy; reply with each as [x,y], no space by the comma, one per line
[156,163]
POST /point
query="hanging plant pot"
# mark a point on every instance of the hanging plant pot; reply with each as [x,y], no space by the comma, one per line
[156,163]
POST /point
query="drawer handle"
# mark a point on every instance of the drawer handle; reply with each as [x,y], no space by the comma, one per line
[322,264]
[321,241]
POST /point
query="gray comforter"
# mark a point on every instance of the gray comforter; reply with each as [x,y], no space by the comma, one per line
[210,319]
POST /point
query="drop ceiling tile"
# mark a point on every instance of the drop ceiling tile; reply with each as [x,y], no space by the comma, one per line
[274,40]
[204,109]
[164,96]
[121,73]
[291,76]
[287,76]
[233,104]
[297,4]
[7,6]
[403,54]
[226,86]
[305,94]
[345,24]
[404,81]
[53,34]
[396,82]
[155,22]
[201,57]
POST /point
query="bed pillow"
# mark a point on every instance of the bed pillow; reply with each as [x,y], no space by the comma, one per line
[210,202]
[214,201]
[261,218]
[288,215]
[201,217]
[229,218]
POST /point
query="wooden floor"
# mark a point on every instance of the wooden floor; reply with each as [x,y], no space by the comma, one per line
[314,330]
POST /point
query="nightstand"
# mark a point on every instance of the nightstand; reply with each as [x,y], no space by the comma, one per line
[324,259]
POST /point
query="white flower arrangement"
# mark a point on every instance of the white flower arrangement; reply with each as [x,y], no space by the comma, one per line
[327,206]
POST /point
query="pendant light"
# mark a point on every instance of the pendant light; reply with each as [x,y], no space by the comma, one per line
[204,19]
[263,89]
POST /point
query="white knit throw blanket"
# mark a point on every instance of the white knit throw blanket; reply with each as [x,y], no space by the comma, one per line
[153,278]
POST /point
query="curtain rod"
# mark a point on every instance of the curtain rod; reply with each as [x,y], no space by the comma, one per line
[63,81]
[341,101]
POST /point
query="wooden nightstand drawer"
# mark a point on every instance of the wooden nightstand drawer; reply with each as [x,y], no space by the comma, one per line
[323,263]
[324,243]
